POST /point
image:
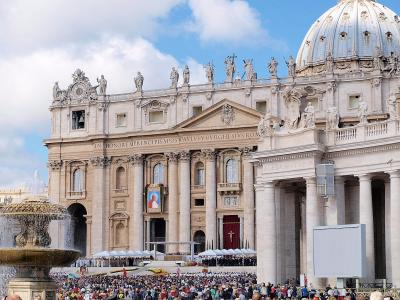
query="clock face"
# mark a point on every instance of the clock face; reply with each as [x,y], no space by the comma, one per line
[78,90]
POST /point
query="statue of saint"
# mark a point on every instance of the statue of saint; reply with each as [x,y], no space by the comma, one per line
[392,106]
[139,82]
[273,67]
[329,63]
[309,116]
[291,64]
[209,72]
[186,75]
[230,68]
[56,90]
[392,64]
[332,118]
[363,112]
[174,76]
[102,85]
[249,69]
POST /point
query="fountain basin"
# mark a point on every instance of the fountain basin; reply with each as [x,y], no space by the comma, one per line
[37,257]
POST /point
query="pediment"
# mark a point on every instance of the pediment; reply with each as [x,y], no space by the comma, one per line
[224,114]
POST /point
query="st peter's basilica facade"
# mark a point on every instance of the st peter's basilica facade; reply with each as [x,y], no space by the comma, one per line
[233,164]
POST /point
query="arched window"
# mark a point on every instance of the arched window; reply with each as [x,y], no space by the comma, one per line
[77,181]
[231,171]
[120,182]
[119,234]
[158,174]
[199,173]
[200,238]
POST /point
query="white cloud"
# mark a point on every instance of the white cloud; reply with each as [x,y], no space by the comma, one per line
[226,20]
[27,80]
[27,24]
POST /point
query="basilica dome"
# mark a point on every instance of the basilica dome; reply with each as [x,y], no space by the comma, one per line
[351,31]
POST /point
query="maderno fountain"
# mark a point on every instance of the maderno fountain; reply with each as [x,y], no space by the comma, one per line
[32,257]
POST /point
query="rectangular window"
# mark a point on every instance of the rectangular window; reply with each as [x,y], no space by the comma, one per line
[261,106]
[198,202]
[121,120]
[78,119]
[156,117]
[196,110]
[354,101]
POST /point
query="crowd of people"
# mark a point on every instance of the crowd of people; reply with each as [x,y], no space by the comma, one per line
[229,261]
[209,286]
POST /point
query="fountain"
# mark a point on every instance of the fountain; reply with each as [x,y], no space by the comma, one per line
[32,257]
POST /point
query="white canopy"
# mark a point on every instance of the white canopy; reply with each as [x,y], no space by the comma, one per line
[227,252]
[129,253]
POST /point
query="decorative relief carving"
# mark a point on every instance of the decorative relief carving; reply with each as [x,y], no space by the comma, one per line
[100,161]
[55,165]
[227,114]
[136,159]
[376,82]
[266,126]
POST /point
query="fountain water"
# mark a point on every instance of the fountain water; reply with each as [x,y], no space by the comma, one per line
[32,258]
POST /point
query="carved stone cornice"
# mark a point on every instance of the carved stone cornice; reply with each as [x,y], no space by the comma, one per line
[55,165]
[172,156]
[184,155]
[361,151]
[209,154]
[100,161]
[289,157]
[136,159]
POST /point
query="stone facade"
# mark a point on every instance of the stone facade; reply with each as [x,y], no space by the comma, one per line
[241,156]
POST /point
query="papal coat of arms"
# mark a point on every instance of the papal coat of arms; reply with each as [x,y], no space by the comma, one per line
[227,114]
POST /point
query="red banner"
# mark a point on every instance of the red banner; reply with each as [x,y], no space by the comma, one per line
[231,232]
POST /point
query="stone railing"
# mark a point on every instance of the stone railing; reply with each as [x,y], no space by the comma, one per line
[363,133]
[229,187]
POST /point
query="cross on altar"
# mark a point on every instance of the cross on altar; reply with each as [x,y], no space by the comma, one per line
[231,233]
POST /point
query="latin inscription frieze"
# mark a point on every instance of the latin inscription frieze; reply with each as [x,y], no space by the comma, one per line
[177,140]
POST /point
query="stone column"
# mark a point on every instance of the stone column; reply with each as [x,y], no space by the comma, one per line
[313,219]
[89,251]
[137,214]
[148,234]
[335,213]
[221,232]
[248,194]
[211,199]
[395,227]
[55,229]
[172,201]
[99,223]
[388,247]
[266,233]
[241,242]
[184,201]
[366,217]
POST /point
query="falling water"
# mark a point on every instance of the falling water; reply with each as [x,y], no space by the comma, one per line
[6,274]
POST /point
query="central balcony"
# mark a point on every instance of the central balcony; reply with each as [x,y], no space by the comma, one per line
[229,188]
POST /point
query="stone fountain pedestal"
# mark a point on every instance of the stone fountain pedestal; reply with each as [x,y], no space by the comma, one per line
[33,258]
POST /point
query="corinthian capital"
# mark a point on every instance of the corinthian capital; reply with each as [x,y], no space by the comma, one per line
[55,165]
[100,161]
[172,156]
[246,152]
[184,155]
[136,159]
[208,154]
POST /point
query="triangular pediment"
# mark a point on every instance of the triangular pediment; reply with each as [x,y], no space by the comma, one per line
[223,114]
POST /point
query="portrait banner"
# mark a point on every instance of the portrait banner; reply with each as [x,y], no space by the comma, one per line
[154,198]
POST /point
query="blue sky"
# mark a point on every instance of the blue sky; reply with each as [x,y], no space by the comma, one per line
[43,41]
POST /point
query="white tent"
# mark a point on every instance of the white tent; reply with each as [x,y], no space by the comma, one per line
[103,254]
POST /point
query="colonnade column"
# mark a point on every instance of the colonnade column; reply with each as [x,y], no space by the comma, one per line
[54,191]
[184,201]
[172,201]
[366,217]
[99,223]
[211,199]
[335,213]
[266,237]
[313,218]
[248,193]
[395,226]
[136,234]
